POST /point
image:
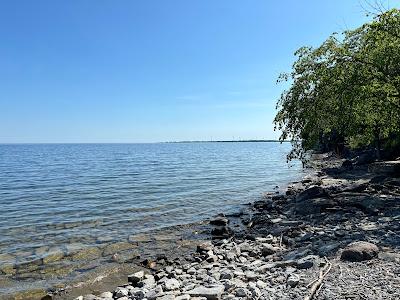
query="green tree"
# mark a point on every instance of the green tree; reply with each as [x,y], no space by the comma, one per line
[345,91]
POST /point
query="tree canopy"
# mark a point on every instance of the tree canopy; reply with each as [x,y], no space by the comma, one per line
[346,91]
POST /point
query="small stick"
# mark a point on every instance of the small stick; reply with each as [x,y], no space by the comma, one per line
[280,241]
[319,289]
[317,284]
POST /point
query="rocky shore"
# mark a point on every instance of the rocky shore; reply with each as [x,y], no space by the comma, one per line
[334,235]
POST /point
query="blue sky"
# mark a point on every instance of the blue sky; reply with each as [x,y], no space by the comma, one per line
[146,71]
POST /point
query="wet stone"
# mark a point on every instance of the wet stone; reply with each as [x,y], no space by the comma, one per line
[89,253]
[116,248]
[54,254]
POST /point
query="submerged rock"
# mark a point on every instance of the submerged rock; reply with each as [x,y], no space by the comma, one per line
[89,253]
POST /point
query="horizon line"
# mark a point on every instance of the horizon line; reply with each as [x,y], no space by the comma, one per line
[158,142]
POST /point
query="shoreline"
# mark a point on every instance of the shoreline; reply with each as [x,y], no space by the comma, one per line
[277,246]
[278,237]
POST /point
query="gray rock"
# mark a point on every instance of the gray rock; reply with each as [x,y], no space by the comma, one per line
[107,295]
[183,297]
[213,292]
[219,221]
[312,192]
[121,292]
[268,249]
[293,280]
[172,284]
[307,261]
[166,297]
[241,292]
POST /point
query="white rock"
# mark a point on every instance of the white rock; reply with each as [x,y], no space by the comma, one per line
[172,284]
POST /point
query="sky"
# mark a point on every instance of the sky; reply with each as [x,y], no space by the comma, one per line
[152,71]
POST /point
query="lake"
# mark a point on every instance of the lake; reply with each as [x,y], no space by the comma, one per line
[54,195]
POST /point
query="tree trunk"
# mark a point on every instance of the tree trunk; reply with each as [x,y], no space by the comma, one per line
[377,143]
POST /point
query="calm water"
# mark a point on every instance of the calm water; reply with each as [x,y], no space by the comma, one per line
[53,194]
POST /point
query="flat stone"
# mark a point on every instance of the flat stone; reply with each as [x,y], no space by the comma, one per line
[107,295]
[307,262]
[54,254]
[166,297]
[211,293]
[117,247]
[89,253]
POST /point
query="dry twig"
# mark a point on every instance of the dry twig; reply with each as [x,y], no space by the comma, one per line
[318,283]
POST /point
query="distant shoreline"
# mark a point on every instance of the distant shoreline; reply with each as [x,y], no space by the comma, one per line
[233,141]
[165,142]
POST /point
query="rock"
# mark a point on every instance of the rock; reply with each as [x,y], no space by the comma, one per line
[314,205]
[268,249]
[365,158]
[172,284]
[121,292]
[219,221]
[166,297]
[307,262]
[90,297]
[89,253]
[107,295]
[311,192]
[347,165]
[211,293]
[54,254]
[136,277]
[204,247]
[385,167]
[125,257]
[221,231]
[7,269]
[148,281]
[241,292]
[116,248]
[328,248]
[293,280]
[359,251]
[183,297]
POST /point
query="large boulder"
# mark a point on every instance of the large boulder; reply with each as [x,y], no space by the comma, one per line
[359,251]
[314,206]
[310,193]
[365,158]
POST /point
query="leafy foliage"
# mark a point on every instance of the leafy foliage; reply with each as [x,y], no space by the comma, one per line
[346,91]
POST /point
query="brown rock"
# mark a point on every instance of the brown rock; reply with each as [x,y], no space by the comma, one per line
[359,251]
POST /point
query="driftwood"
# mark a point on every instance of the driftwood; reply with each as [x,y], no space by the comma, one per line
[316,284]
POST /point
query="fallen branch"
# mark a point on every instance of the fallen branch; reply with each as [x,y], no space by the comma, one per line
[318,283]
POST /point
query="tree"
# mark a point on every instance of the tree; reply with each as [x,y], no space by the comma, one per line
[345,91]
